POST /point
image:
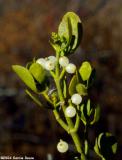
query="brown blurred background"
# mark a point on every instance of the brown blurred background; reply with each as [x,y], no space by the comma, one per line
[25,28]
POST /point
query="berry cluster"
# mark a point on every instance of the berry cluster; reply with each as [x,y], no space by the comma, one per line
[49,63]
[64,62]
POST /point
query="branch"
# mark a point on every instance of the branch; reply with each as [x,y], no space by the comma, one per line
[76,126]
[60,121]
[34,98]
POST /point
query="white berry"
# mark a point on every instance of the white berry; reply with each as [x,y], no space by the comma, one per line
[62,146]
[52,59]
[71,68]
[70,111]
[76,99]
[49,65]
[41,61]
[63,61]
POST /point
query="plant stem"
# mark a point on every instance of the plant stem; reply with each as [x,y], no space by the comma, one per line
[47,98]
[76,126]
[74,135]
[77,143]
[60,94]
[62,73]
[35,99]
[86,139]
[60,121]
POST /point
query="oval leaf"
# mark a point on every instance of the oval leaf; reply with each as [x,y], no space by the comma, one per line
[72,85]
[85,70]
[76,27]
[114,148]
[64,29]
[71,28]
[81,89]
[89,109]
[96,115]
[25,76]
[38,72]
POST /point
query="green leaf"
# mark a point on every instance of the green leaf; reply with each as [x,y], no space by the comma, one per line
[82,115]
[89,115]
[72,85]
[86,146]
[64,89]
[99,139]
[85,70]
[114,148]
[25,76]
[76,27]
[81,89]
[96,148]
[105,145]
[86,111]
[96,115]
[71,28]
[111,145]
[38,72]
[89,110]
[64,29]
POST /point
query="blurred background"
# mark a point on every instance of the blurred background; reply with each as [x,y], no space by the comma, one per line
[25,28]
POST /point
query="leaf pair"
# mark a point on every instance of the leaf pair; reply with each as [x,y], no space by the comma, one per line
[88,114]
[105,146]
[76,87]
[70,29]
[35,74]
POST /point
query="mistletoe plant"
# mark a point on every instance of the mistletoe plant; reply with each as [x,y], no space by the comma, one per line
[69,98]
